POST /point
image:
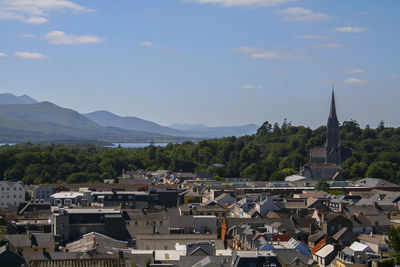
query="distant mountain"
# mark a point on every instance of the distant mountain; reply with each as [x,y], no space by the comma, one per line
[216,132]
[47,121]
[106,118]
[7,98]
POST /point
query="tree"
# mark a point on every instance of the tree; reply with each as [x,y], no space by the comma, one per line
[393,241]
[148,262]
[264,129]
[322,186]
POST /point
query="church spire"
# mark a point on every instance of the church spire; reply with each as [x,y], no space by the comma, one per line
[332,113]
[332,145]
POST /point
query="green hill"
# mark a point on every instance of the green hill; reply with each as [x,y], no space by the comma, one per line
[46,121]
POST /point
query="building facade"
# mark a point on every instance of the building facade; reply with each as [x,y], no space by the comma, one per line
[11,193]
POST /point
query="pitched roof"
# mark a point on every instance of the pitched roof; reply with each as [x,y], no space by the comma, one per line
[316,236]
[340,233]
[38,240]
[374,182]
[289,256]
[95,241]
[325,251]
[318,246]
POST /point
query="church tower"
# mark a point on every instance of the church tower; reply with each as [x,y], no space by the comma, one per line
[332,144]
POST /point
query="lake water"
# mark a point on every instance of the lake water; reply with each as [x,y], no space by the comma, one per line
[136,145]
[10,144]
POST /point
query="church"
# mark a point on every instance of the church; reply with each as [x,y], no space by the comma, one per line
[325,162]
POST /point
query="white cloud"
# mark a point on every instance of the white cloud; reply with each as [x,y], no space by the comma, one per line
[2,54]
[248,86]
[329,45]
[36,11]
[310,36]
[246,49]
[146,43]
[350,29]
[28,35]
[255,52]
[299,14]
[59,37]
[353,80]
[29,55]
[230,3]
[36,20]
[355,71]
[275,55]
[391,76]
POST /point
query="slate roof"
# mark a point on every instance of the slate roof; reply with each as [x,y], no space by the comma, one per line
[340,233]
[189,261]
[289,256]
[375,239]
[379,219]
[39,240]
[364,209]
[316,236]
[360,220]
[138,215]
[374,183]
[176,221]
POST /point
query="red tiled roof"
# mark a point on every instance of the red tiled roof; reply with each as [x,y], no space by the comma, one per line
[284,238]
[318,246]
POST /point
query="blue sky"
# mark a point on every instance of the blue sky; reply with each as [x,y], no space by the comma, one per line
[218,62]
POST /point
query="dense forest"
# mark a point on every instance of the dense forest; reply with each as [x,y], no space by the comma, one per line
[274,152]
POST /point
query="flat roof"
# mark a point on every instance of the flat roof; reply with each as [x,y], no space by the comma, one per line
[112,211]
[67,195]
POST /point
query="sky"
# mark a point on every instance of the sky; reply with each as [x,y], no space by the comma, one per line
[217,62]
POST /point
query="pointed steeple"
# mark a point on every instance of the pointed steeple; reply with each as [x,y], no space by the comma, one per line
[332,113]
[332,144]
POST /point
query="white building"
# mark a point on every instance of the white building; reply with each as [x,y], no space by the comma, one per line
[11,193]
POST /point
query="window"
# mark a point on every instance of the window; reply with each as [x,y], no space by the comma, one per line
[128,223]
[8,189]
[147,223]
[57,201]
[67,201]
[136,224]
[130,197]
[160,223]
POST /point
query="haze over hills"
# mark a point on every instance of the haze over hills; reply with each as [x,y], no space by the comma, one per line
[13,99]
[46,121]
[106,118]
[217,132]
[24,119]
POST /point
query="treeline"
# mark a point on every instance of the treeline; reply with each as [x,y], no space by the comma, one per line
[274,152]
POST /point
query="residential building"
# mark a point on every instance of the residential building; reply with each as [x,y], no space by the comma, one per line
[11,193]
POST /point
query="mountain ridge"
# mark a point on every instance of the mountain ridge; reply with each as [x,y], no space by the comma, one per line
[106,118]
[8,98]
